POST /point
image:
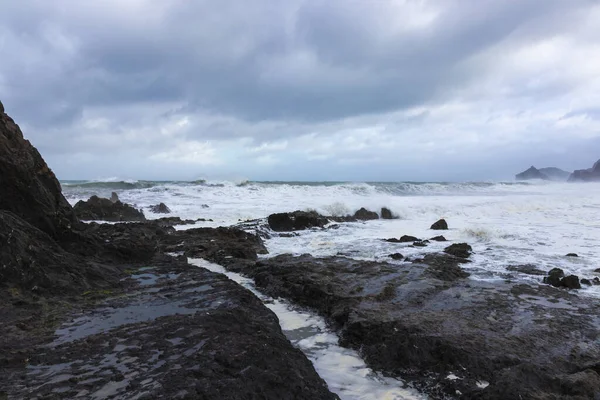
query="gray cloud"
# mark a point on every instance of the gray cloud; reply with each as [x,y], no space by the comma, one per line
[140,80]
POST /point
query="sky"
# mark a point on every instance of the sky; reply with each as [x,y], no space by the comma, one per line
[359,90]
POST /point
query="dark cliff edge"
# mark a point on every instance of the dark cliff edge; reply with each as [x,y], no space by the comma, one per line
[102,311]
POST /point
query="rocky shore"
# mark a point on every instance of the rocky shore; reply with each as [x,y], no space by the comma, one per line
[106,311]
[451,336]
[93,310]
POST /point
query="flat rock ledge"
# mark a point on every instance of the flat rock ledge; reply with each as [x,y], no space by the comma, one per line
[451,336]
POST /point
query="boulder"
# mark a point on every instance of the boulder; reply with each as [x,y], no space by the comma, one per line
[585,281]
[101,209]
[160,209]
[571,282]
[408,238]
[438,239]
[440,225]
[296,221]
[365,215]
[531,173]
[586,175]
[396,256]
[386,213]
[420,243]
[572,255]
[554,277]
[461,250]
[28,187]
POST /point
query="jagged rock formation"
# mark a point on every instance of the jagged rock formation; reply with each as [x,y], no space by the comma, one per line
[28,188]
[99,209]
[586,175]
[531,173]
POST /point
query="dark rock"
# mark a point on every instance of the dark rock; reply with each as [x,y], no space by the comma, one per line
[526,269]
[396,256]
[114,197]
[554,277]
[596,281]
[172,221]
[570,282]
[444,267]
[214,340]
[386,213]
[28,188]
[419,243]
[296,221]
[439,225]
[439,239]
[32,260]
[462,250]
[586,175]
[571,255]
[424,320]
[408,238]
[585,281]
[365,215]
[101,209]
[160,209]
[531,173]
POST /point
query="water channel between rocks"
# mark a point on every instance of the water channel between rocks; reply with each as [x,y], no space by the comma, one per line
[343,369]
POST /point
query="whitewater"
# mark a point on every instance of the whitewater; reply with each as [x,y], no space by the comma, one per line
[506,223]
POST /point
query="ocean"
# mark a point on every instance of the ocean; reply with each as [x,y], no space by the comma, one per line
[506,223]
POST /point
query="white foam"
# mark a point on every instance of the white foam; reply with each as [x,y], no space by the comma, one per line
[506,223]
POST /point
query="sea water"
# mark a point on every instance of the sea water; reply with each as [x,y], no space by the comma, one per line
[506,223]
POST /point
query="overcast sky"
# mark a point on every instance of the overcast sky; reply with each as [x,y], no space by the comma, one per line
[374,90]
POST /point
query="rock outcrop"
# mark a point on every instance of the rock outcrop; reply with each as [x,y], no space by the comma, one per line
[182,332]
[425,322]
[531,173]
[100,209]
[28,187]
[160,208]
[461,250]
[365,215]
[386,213]
[440,225]
[586,175]
[296,221]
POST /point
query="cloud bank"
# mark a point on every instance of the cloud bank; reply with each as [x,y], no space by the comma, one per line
[304,89]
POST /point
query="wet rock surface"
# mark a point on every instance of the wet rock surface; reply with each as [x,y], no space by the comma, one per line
[177,331]
[462,250]
[160,208]
[440,225]
[451,336]
[99,209]
[102,311]
[28,187]
[295,221]
[365,215]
